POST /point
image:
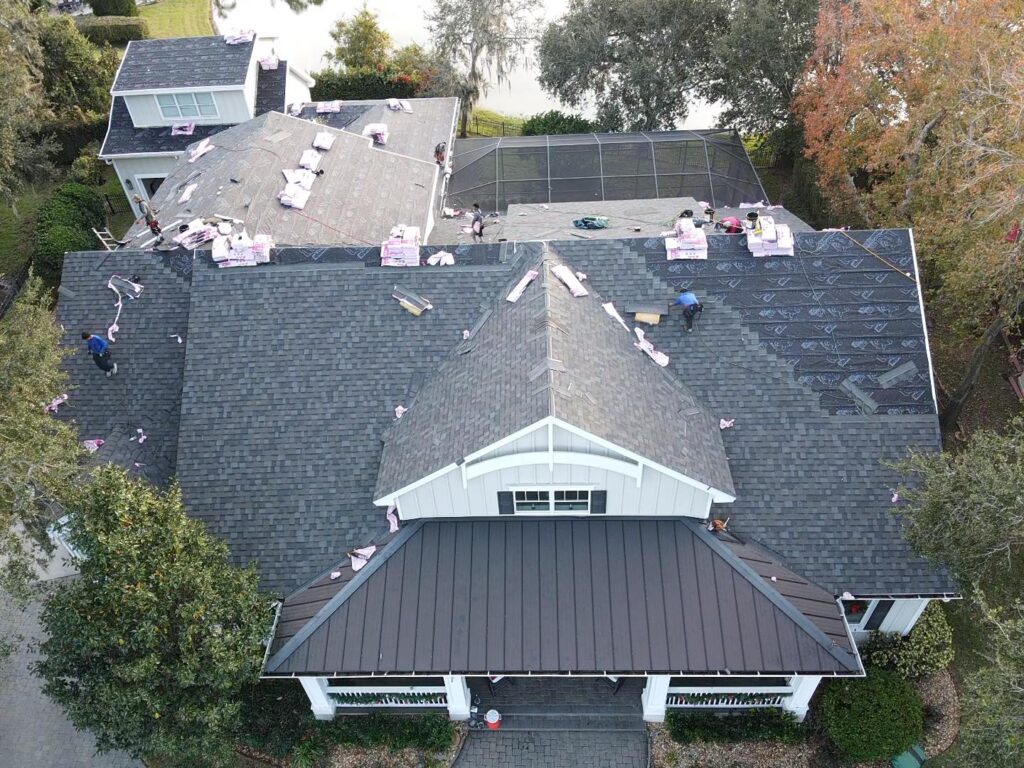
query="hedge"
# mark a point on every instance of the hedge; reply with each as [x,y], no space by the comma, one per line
[114,7]
[116,30]
[358,84]
[766,724]
[73,132]
[872,718]
[926,650]
[556,122]
[64,224]
[52,244]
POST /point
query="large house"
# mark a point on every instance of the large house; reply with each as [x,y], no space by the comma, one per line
[478,483]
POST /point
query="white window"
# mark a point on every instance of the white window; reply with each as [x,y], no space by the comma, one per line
[176,105]
[560,500]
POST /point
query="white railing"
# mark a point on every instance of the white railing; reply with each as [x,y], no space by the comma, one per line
[733,698]
[412,696]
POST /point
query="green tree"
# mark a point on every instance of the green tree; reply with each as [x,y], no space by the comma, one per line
[412,58]
[756,64]
[637,61]
[24,154]
[152,646]
[114,7]
[555,122]
[75,73]
[39,455]
[992,725]
[360,42]
[966,510]
[482,37]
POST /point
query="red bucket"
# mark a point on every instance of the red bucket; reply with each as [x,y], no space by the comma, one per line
[493,719]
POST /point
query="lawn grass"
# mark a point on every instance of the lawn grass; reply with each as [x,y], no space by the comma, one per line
[16,227]
[486,122]
[178,18]
[117,223]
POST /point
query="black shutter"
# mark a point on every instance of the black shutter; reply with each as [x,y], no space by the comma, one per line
[878,615]
[506,506]
[598,502]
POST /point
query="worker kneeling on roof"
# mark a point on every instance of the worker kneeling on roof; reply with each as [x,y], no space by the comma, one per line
[691,307]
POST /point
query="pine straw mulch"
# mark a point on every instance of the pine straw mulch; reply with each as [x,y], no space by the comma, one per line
[938,694]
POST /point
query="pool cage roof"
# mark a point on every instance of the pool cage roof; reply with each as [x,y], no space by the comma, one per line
[710,165]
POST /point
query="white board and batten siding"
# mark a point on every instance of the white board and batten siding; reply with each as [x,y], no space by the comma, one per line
[450,495]
[232,107]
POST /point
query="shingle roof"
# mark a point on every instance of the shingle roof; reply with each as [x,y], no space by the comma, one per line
[550,354]
[597,596]
[146,392]
[183,62]
[361,195]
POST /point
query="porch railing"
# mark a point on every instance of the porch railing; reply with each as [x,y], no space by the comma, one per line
[732,698]
[414,696]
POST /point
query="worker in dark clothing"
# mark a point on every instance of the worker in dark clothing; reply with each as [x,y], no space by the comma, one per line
[691,307]
[99,348]
[478,224]
[149,216]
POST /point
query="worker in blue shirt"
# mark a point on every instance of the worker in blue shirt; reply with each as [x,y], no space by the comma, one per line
[99,348]
[691,307]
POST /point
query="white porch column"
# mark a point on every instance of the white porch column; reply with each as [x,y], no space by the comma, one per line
[319,700]
[458,697]
[654,698]
[803,687]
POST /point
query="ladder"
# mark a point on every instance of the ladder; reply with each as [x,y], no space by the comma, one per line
[110,242]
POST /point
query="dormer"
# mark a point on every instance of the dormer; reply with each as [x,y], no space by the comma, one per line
[550,407]
[201,80]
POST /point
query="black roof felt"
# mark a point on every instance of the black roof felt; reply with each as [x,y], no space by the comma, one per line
[597,596]
[293,371]
[182,62]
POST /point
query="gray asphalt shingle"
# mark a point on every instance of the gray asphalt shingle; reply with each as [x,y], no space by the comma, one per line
[182,62]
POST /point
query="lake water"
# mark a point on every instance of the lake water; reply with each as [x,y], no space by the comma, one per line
[305,37]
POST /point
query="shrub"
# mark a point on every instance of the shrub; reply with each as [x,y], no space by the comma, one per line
[116,30]
[873,718]
[275,717]
[747,725]
[88,168]
[926,650]
[52,244]
[429,733]
[114,7]
[72,205]
[73,131]
[556,122]
[363,84]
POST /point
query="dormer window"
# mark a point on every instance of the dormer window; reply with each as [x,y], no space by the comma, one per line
[531,501]
[177,105]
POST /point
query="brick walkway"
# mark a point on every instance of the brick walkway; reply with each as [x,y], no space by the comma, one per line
[33,730]
[554,749]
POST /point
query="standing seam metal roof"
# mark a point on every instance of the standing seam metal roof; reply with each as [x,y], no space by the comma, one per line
[585,596]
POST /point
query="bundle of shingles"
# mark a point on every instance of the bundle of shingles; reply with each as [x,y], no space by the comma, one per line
[196,233]
[240,250]
[299,181]
[766,238]
[686,241]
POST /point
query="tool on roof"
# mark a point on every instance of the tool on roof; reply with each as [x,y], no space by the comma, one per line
[107,239]
[410,301]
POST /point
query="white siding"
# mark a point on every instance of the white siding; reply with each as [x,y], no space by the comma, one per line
[134,168]
[231,108]
[295,89]
[251,81]
[903,615]
[657,494]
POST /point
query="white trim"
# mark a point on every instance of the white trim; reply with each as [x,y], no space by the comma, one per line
[635,674]
[195,102]
[536,426]
[142,187]
[361,689]
[458,697]
[387,501]
[781,689]
[551,457]
[719,496]
[917,615]
[319,701]
[117,74]
[300,73]
[178,89]
[550,489]
[804,687]
[131,155]
[924,321]
[655,698]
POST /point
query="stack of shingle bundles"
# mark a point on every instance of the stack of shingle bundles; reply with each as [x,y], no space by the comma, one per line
[310,159]
[241,251]
[325,107]
[402,248]
[324,140]
[294,196]
[378,132]
[195,234]
[766,238]
[687,242]
[301,176]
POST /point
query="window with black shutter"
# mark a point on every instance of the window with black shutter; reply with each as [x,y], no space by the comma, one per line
[505,504]
[598,502]
[878,615]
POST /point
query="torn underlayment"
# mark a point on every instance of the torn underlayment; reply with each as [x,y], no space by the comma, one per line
[56,403]
[124,289]
[93,445]
[183,129]
[199,150]
[186,194]
[516,292]
[442,258]
[611,310]
[361,556]
[572,281]
[392,519]
[647,347]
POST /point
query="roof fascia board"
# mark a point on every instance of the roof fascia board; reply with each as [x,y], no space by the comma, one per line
[302,75]
[562,675]
[777,599]
[178,89]
[344,594]
[127,50]
[386,500]
[572,458]
[140,154]
[924,323]
[717,495]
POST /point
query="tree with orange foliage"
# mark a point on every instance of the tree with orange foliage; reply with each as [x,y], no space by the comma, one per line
[913,111]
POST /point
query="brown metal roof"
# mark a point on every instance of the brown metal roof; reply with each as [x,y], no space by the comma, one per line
[586,596]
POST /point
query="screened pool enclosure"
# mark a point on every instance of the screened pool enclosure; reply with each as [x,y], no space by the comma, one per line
[707,165]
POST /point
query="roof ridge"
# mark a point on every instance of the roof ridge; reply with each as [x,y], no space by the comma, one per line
[332,605]
[737,564]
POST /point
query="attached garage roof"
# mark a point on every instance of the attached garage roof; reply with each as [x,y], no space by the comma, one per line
[557,596]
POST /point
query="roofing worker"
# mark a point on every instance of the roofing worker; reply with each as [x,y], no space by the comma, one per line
[148,215]
[478,224]
[691,307]
[99,348]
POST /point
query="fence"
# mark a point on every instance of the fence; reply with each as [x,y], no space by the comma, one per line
[10,287]
[485,127]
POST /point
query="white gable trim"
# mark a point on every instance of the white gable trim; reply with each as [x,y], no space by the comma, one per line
[718,496]
[550,458]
